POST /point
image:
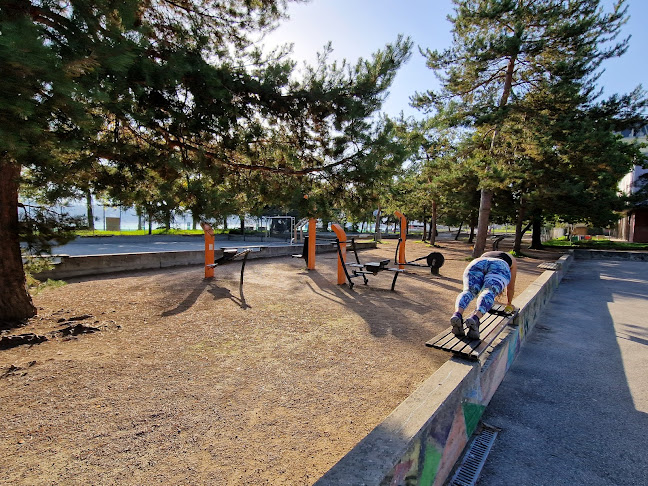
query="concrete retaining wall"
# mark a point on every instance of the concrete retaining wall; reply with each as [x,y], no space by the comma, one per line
[420,441]
[83,266]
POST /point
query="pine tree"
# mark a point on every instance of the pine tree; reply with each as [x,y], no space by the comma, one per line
[503,49]
[171,90]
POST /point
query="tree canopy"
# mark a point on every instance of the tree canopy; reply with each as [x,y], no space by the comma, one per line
[170,101]
[522,75]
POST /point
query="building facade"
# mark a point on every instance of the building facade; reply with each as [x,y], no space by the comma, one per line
[633,226]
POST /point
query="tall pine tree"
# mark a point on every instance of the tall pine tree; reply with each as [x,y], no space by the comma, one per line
[504,49]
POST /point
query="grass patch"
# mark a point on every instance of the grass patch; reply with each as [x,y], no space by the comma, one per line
[37,286]
[596,244]
[144,232]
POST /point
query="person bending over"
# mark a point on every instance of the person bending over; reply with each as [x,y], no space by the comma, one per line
[484,278]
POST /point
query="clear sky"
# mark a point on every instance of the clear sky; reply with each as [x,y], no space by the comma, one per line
[357,28]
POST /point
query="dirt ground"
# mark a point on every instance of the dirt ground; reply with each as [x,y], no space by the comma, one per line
[186,382]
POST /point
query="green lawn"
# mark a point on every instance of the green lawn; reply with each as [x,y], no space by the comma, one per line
[596,244]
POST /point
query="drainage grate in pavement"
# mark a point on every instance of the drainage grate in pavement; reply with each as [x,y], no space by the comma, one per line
[475,458]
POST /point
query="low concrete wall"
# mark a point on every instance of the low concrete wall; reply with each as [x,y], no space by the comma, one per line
[420,442]
[82,266]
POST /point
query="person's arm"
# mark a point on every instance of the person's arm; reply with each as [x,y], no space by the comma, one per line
[510,288]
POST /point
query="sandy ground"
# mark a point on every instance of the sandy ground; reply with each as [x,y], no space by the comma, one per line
[186,381]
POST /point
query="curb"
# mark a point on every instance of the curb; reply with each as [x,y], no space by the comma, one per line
[422,439]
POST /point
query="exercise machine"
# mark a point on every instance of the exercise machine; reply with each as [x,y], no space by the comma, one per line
[357,269]
[434,260]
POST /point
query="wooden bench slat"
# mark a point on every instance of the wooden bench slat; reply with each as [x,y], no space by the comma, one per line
[492,324]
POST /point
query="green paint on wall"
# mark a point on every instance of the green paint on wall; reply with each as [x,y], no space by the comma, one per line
[430,465]
[472,413]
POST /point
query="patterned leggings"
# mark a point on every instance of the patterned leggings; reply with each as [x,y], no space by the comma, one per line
[484,278]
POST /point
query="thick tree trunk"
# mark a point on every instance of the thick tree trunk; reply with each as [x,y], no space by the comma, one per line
[89,211]
[536,236]
[242,220]
[15,302]
[486,199]
[482,224]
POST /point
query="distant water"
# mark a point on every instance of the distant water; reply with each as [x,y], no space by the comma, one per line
[129,220]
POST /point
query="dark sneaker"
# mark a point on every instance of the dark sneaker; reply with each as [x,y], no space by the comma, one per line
[473,327]
[457,325]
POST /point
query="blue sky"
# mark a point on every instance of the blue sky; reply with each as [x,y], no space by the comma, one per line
[357,28]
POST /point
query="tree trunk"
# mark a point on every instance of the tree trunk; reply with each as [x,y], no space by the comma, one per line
[89,211]
[150,223]
[15,301]
[242,219]
[482,225]
[536,236]
[458,231]
[433,224]
[517,244]
[378,233]
[424,228]
[167,220]
[471,238]
[486,199]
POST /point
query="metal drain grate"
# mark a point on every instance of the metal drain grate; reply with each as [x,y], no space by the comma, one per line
[474,458]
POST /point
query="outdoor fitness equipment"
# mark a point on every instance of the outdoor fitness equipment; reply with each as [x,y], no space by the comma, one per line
[358,269]
[228,253]
[433,261]
[308,251]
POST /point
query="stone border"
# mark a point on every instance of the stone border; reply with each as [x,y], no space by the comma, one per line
[422,439]
[66,266]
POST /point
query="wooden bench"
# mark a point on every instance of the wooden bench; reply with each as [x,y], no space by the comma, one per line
[492,324]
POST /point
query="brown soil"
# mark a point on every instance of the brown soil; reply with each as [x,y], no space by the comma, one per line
[186,382]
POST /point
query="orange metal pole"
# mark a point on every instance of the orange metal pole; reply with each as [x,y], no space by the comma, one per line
[311,243]
[403,237]
[341,236]
[209,249]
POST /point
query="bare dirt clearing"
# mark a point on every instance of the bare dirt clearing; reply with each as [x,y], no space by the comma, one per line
[186,383]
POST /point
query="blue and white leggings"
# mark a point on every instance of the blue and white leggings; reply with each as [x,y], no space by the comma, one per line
[484,278]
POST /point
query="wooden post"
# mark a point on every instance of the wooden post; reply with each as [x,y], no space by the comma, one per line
[209,249]
[311,243]
[403,237]
[341,236]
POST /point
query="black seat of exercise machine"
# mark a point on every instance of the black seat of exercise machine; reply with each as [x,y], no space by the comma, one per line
[376,267]
[304,253]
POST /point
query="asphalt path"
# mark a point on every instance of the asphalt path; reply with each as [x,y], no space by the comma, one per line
[104,245]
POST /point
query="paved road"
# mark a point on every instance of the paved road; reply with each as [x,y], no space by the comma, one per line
[573,408]
[104,245]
